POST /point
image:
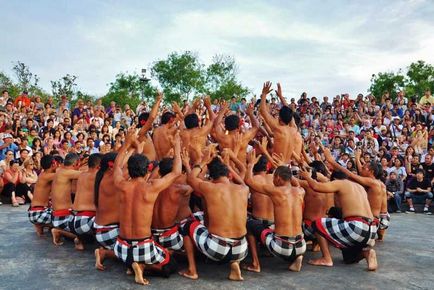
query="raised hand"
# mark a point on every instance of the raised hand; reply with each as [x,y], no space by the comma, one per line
[328,155]
[207,102]
[279,90]
[252,159]
[185,157]
[266,89]
[249,110]
[131,136]
[358,153]
[159,96]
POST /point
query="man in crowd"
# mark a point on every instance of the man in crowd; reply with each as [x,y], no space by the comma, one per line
[419,187]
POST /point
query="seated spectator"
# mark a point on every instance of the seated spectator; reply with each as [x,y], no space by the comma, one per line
[11,179]
[28,178]
[394,188]
[419,187]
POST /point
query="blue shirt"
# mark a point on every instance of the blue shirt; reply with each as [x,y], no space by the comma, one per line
[13,147]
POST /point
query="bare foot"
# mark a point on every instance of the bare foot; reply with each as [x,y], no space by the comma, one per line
[235,274]
[39,230]
[372,260]
[189,274]
[56,237]
[296,265]
[251,267]
[138,271]
[321,262]
[78,244]
[99,259]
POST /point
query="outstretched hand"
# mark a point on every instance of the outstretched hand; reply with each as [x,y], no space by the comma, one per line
[266,89]
[279,90]
[252,159]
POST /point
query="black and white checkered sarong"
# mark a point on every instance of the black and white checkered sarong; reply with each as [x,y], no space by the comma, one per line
[143,251]
[106,235]
[287,248]
[169,238]
[384,220]
[347,233]
[83,223]
[40,215]
[62,219]
[308,230]
[215,247]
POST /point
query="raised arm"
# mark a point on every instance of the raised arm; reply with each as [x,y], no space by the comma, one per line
[207,104]
[323,187]
[152,115]
[194,179]
[263,109]
[218,130]
[259,187]
[280,95]
[238,164]
[250,134]
[122,157]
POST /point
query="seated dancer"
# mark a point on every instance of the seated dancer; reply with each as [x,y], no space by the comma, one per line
[316,204]
[283,133]
[354,232]
[106,222]
[146,120]
[84,205]
[232,125]
[223,240]
[40,214]
[61,199]
[135,245]
[369,178]
[262,207]
[166,208]
[286,240]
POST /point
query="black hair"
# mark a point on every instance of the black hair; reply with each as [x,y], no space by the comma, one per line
[339,175]
[70,159]
[143,117]
[232,122]
[420,170]
[94,160]
[283,172]
[191,121]
[217,168]
[58,159]
[165,166]
[166,117]
[285,115]
[377,169]
[318,166]
[47,161]
[137,165]
[297,118]
[261,165]
[104,165]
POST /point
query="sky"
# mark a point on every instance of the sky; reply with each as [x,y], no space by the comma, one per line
[322,47]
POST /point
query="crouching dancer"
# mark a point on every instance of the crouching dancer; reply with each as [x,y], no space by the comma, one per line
[84,205]
[286,240]
[224,240]
[135,245]
[355,233]
[39,213]
[106,222]
[61,198]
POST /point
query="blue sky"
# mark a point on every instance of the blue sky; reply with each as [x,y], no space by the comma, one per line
[321,47]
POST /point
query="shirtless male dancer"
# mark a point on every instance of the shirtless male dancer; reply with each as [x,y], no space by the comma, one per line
[84,202]
[369,177]
[166,208]
[262,208]
[135,245]
[61,199]
[286,240]
[232,125]
[282,132]
[224,238]
[106,222]
[355,232]
[163,134]
[40,214]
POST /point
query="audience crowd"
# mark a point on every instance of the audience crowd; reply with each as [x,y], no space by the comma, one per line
[396,132]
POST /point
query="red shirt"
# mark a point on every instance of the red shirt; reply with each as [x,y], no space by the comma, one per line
[25,101]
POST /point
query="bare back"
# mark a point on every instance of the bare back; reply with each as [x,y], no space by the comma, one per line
[194,140]
[288,210]
[107,211]
[227,209]
[316,204]
[41,193]
[62,188]
[229,141]
[262,206]
[284,142]
[84,196]
[353,199]
[162,142]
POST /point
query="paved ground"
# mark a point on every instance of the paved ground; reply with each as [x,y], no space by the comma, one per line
[406,261]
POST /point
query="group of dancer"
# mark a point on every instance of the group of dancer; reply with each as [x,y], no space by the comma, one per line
[211,185]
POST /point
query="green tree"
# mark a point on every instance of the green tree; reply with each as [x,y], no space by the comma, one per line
[181,76]
[65,86]
[27,81]
[420,76]
[129,89]
[6,83]
[221,79]
[386,82]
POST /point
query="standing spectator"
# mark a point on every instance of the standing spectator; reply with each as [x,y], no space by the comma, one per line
[419,187]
